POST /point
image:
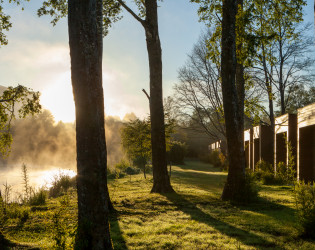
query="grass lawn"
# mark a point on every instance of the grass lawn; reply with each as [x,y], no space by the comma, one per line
[193,218]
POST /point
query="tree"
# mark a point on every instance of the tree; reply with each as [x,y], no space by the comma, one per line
[85,22]
[235,185]
[15,102]
[148,9]
[298,98]
[5,23]
[136,141]
[198,95]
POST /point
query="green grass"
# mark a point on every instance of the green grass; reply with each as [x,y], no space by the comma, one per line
[193,218]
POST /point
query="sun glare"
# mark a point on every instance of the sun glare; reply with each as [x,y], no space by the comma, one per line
[58,98]
[47,177]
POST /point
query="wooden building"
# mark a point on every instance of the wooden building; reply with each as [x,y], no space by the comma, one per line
[262,144]
[285,134]
[248,147]
[306,143]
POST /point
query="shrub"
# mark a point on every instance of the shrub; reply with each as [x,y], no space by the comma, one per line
[59,230]
[265,173]
[61,184]
[212,158]
[38,198]
[113,173]
[264,167]
[177,152]
[305,204]
[16,211]
[250,190]
[122,165]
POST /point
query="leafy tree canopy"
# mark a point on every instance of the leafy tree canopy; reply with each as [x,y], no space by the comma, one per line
[15,102]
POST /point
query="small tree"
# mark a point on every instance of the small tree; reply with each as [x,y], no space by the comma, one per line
[136,141]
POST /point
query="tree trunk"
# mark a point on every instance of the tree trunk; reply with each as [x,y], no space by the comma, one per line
[161,180]
[235,184]
[85,40]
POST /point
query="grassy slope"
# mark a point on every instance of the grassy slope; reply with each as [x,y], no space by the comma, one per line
[193,218]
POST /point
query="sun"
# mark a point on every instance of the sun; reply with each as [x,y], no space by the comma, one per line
[58,98]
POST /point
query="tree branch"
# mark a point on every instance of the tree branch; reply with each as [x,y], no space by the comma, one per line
[131,12]
[145,92]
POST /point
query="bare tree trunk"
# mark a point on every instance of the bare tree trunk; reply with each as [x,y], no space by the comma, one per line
[236,177]
[161,180]
[85,39]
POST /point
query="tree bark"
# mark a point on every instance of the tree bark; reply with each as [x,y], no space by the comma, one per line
[161,180]
[236,177]
[85,40]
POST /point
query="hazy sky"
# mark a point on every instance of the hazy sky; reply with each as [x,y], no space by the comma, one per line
[38,57]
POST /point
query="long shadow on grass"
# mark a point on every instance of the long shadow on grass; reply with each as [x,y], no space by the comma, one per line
[198,166]
[246,237]
[206,181]
[116,234]
[271,209]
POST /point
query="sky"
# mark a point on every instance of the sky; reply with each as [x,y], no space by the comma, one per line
[37,56]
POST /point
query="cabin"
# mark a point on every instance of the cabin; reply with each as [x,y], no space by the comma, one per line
[262,144]
[285,135]
[248,147]
[306,143]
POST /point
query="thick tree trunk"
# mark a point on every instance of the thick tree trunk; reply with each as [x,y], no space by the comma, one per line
[236,177]
[85,39]
[161,180]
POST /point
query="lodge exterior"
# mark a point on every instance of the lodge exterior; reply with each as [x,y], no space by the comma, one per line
[294,130]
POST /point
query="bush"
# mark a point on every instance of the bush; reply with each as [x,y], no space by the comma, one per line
[264,167]
[286,173]
[38,198]
[122,165]
[251,189]
[177,152]
[61,184]
[113,173]
[216,158]
[265,173]
[16,211]
[305,204]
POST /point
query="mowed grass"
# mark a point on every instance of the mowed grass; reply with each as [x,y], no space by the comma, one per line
[192,218]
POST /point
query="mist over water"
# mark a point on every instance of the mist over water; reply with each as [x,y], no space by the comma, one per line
[47,147]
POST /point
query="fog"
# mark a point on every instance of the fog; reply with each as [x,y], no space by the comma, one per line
[46,147]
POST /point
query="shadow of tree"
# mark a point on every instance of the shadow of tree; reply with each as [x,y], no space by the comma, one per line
[246,237]
[116,234]
[198,166]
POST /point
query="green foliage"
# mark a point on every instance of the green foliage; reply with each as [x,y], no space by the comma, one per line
[60,185]
[299,97]
[177,152]
[216,158]
[5,23]
[19,212]
[136,139]
[265,173]
[38,198]
[250,189]
[60,232]
[28,101]
[305,205]
[58,9]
